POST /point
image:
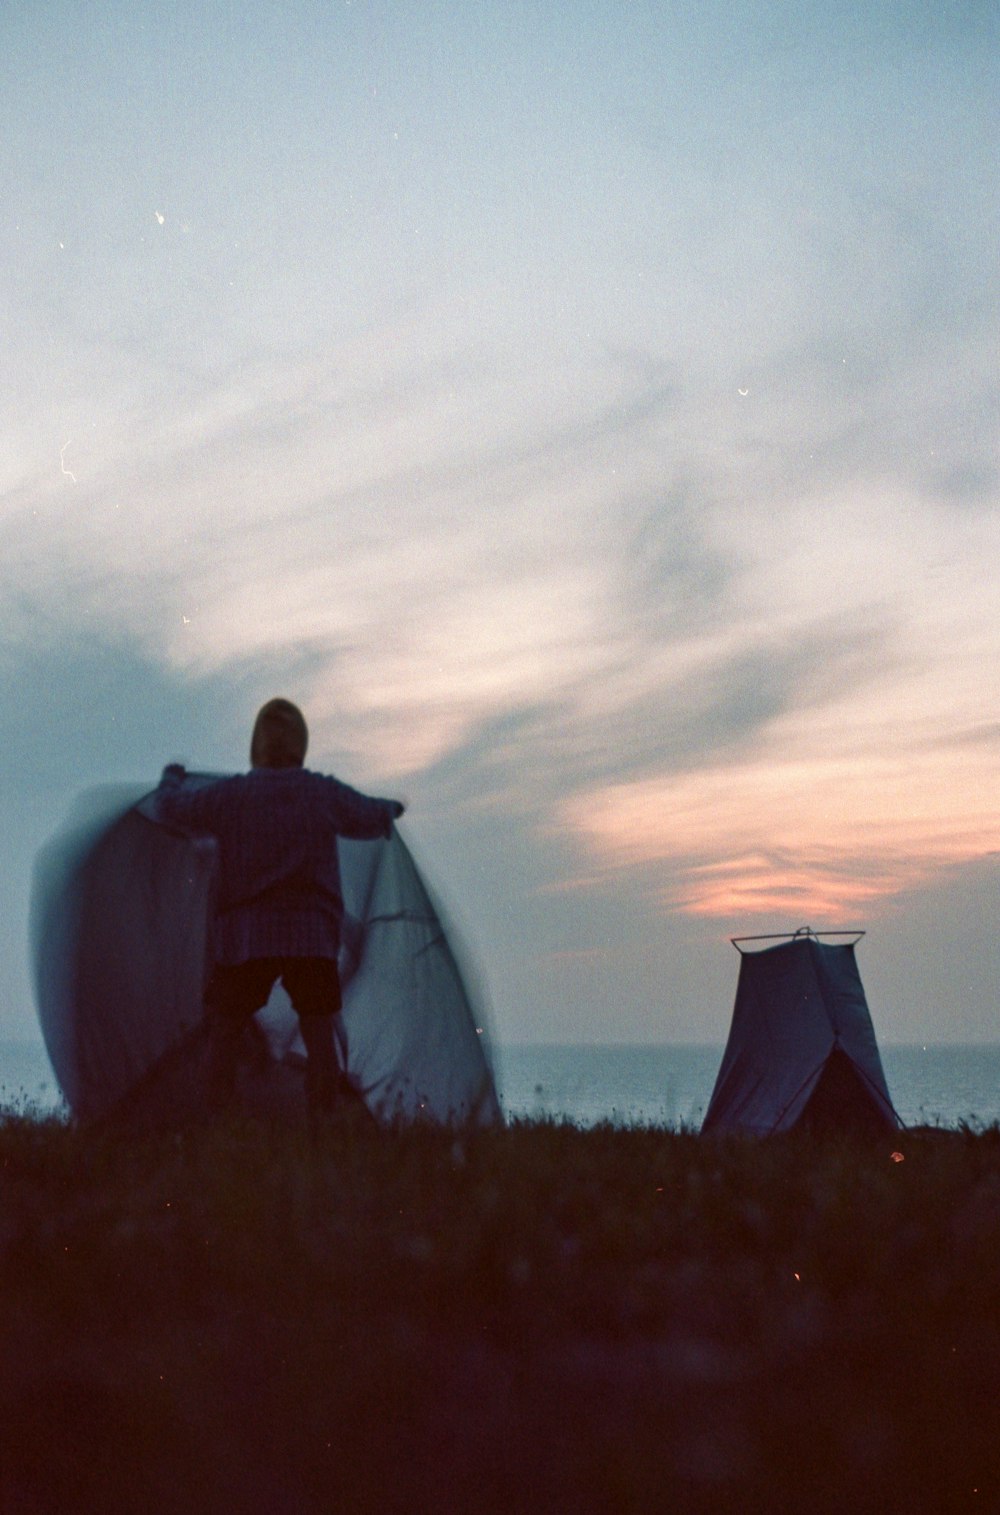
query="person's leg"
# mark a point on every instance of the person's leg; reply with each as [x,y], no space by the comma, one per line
[235,993]
[313,986]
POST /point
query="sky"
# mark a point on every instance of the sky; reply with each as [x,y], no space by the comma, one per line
[588,414]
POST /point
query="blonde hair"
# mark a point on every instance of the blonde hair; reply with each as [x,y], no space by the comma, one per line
[280,736]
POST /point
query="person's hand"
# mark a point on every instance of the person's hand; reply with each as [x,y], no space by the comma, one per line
[398,809]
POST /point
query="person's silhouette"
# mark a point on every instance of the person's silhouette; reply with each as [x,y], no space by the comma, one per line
[278,904]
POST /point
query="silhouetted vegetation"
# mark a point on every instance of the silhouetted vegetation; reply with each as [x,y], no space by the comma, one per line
[243,1317]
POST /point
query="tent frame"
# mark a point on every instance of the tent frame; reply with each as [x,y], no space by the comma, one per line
[791,936]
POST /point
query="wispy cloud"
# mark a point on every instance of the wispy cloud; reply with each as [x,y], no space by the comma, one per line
[809,831]
[650,524]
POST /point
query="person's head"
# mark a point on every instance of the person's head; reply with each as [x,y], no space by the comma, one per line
[280,736]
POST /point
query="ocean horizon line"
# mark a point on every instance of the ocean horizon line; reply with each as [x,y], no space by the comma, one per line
[33,1043]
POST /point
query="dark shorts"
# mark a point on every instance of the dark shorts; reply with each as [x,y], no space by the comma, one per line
[311,983]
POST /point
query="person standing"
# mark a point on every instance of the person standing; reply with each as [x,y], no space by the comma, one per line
[278,902]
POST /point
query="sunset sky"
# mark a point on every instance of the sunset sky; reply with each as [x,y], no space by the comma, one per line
[588,413]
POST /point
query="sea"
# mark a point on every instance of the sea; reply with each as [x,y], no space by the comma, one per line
[659,1085]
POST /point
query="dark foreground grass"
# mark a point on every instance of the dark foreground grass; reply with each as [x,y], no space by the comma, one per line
[238,1318]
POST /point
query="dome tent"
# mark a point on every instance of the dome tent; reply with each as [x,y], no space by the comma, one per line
[801,1051]
[120,919]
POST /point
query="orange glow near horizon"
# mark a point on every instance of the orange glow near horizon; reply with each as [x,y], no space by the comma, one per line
[742,887]
[818,838]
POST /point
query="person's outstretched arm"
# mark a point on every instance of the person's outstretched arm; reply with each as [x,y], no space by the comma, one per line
[360,815]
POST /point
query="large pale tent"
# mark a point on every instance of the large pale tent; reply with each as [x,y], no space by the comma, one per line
[801,1049]
[121,912]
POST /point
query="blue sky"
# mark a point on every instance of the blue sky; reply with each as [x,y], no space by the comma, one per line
[588,415]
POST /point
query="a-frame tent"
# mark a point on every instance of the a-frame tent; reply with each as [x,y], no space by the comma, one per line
[801,1049]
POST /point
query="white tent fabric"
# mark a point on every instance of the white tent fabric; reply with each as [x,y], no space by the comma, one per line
[121,908]
[801,1045]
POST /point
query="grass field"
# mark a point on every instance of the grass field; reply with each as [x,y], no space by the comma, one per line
[239,1317]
